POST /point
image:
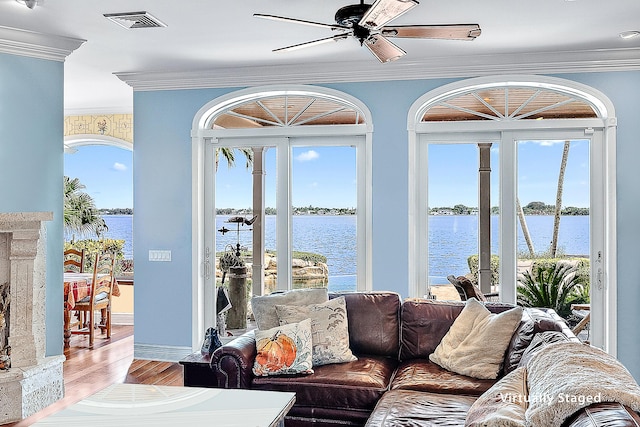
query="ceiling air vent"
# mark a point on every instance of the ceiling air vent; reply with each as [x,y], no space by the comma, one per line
[135,20]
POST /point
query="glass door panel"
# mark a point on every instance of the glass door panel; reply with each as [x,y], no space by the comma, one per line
[324,232]
[238,220]
[454,195]
[553,231]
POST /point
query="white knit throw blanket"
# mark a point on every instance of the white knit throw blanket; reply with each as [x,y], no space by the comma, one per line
[567,376]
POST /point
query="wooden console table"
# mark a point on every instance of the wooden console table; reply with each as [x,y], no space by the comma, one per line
[196,371]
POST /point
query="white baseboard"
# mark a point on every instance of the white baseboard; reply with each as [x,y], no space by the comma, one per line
[122,318]
[162,353]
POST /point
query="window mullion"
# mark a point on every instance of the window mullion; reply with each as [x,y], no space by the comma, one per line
[508,233]
[283,217]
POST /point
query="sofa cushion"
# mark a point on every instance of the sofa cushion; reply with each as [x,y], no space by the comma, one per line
[423,375]
[533,321]
[284,350]
[329,328]
[374,322]
[425,322]
[502,405]
[352,385]
[264,306]
[413,408]
[476,342]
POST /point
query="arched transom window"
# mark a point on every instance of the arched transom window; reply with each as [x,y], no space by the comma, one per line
[287,110]
[509,103]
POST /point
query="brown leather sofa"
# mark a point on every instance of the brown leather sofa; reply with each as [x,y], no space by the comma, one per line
[393,383]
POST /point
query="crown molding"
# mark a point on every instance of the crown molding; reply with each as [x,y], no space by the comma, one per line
[37,45]
[468,66]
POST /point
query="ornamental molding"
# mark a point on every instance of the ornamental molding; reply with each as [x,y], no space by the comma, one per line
[103,126]
[51,47]
[597,60]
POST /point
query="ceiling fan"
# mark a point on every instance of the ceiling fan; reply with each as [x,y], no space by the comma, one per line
[366,23]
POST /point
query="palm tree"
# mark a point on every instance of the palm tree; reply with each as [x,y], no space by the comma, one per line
[525,229]
[229,155]
[556,220]
[80,212]
[553,286]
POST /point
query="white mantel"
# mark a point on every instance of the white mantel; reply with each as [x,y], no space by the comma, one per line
[34,381]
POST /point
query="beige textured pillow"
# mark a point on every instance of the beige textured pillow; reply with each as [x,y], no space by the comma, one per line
[477,340]
[329,329]
[264,307]
[503,405]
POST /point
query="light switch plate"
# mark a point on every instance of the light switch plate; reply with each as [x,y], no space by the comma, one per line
[157,255]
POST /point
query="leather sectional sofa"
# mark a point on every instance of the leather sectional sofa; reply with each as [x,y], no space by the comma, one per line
[392,382]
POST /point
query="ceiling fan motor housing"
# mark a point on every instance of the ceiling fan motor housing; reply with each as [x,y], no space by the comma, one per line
[352,14]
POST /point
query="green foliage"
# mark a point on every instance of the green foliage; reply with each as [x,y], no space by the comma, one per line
[551,284]
[309,256]
[80,214]
[91,247]
[474,265]
[305,256]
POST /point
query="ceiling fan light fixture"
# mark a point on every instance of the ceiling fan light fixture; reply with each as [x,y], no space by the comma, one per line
[628,35]
[30,3]
[383,11]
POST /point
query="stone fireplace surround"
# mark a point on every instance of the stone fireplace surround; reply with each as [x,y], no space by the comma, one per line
[33,381]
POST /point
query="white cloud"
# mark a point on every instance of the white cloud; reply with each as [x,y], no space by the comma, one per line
[307,156]
[119,167]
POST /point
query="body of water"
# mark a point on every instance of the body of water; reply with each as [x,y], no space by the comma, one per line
[452,238]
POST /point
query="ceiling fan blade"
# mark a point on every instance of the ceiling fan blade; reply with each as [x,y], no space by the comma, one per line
[383,49]
[312,43]
[383,11]
[301,21]
[449,32]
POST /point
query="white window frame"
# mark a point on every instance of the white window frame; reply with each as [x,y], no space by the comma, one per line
[205,139]
[601,131]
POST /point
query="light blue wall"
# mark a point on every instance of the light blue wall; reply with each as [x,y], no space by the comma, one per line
[162,200]
[31,162]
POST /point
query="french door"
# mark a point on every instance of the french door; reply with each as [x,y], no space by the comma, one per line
[522,161]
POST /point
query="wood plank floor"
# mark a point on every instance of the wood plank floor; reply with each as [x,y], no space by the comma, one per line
[110,361]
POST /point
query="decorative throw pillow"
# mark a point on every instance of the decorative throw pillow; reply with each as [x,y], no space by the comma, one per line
[503,405]
[477,340]
[264,307]
[329,329]
[284,350]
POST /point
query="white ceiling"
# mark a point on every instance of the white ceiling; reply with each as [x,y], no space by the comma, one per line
[211,39]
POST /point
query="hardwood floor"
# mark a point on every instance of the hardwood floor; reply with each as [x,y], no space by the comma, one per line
[110,361]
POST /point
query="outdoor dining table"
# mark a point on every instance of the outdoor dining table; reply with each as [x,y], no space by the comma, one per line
[76,287]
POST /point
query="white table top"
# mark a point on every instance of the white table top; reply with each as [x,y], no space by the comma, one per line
[140,405]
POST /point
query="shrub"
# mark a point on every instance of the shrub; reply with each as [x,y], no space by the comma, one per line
[474,265]
[551,285]
[91,247]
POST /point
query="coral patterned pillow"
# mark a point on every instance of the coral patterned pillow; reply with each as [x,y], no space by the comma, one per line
[284,350]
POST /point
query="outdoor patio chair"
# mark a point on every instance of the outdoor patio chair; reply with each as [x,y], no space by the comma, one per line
[466,289]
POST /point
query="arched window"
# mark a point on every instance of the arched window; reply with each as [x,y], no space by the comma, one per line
[307,186]
[486,159]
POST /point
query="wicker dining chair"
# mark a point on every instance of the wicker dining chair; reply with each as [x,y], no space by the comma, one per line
[99,298]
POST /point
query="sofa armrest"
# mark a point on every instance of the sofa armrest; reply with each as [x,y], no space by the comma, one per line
[603,414]
[232,363]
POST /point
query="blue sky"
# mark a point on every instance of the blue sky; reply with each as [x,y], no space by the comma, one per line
[106,172]
[326,176]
